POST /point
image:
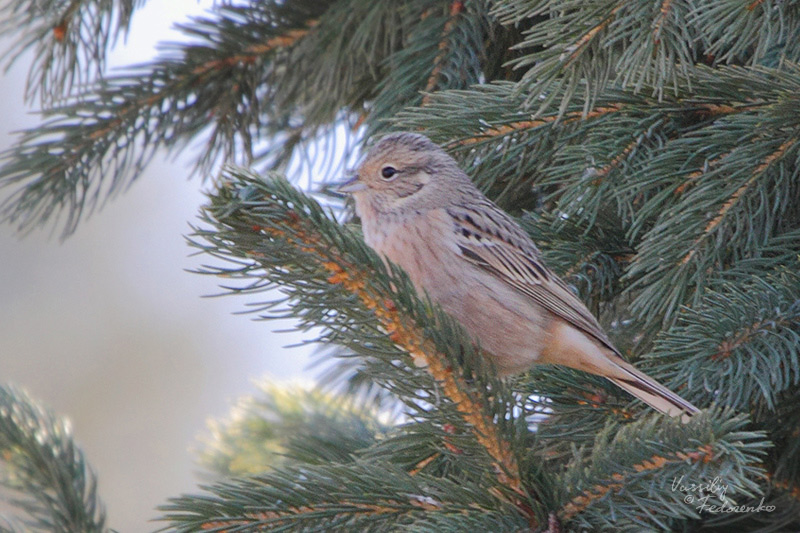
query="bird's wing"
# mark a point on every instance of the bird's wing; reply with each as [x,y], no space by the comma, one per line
[488,238]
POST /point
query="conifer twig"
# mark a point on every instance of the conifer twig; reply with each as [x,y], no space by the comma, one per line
[575,49]
[52,482]
[662,15]
[514,127]
[253,52]
[733,199]
[579,503]
[616,161]
[456,7]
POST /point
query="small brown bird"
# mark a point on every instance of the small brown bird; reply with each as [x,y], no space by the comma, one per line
[422,212]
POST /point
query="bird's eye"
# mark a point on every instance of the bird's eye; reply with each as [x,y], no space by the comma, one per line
[388,172]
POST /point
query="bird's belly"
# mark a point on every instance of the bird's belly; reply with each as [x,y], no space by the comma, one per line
[508,325]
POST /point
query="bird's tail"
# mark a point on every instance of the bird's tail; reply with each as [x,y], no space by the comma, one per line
[651,392]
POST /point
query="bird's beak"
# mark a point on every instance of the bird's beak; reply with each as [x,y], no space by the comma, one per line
[351,185]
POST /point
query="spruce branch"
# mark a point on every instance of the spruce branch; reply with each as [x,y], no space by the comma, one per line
[456,7]
[744,194]
[600,44]
[446,45]
[734,198]
[343,371]
[240,87]
[95,143]
[69,39]
[763,28]
[781,497]
[44,470]
[290,425]
[566,157]
[354,497]
[583,161]
[744,338]
[278,236]
[578,406]
[643,478]
[793,492]
[652,47]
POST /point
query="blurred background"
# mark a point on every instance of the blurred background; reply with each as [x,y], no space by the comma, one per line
[109,330]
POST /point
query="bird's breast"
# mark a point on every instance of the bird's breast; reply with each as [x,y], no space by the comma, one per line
[414,243]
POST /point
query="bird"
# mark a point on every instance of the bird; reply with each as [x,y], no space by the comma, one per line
[422,212]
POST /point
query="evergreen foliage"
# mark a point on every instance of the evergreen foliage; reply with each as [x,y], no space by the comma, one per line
[652,149]
[284,425]
[43,472]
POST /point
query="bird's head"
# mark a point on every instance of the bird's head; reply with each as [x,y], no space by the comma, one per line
[404,171]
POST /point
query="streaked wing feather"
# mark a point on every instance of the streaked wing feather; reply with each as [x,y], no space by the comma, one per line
[497,244]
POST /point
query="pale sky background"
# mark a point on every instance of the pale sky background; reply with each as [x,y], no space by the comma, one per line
[110,331]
